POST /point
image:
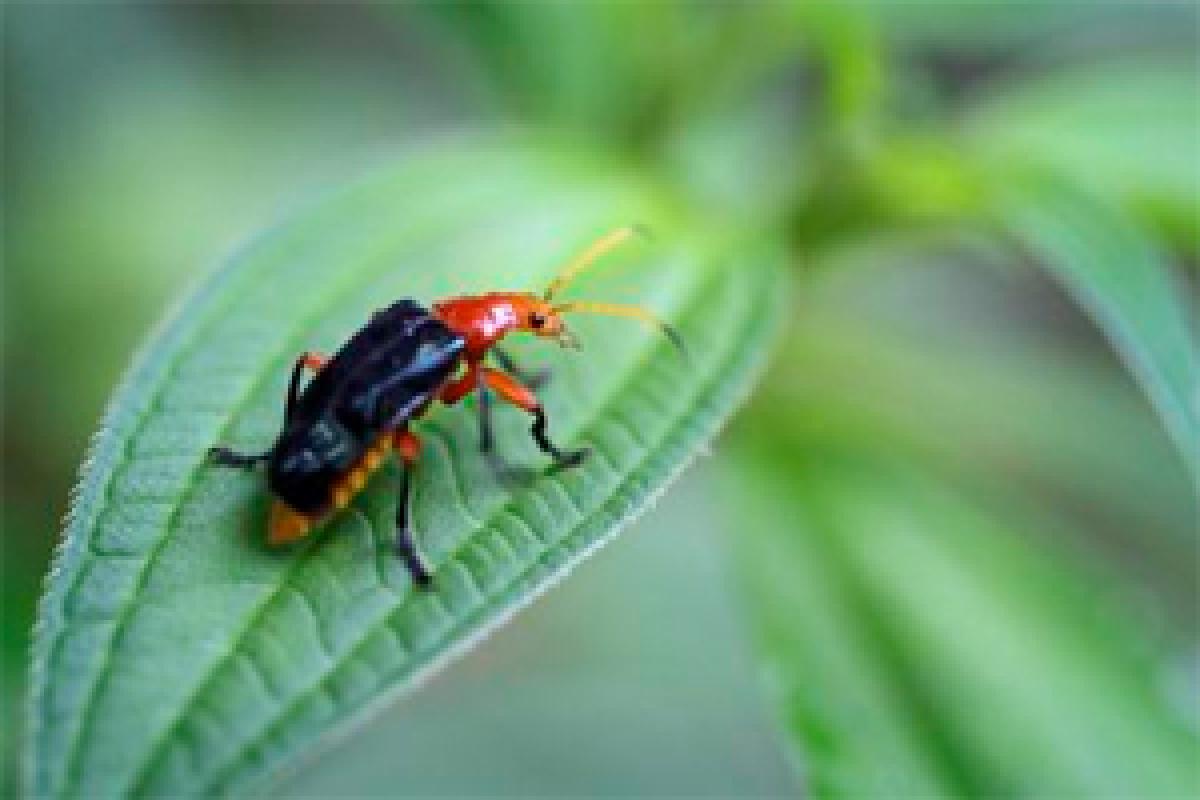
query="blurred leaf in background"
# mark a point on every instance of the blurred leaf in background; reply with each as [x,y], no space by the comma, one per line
[931,651]
[1054,627]
[963,507]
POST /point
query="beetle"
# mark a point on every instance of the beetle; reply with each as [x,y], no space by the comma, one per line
[358,407]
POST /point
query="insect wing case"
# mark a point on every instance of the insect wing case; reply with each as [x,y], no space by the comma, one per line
[383,376]
[384,373]
[407,355]
[308,459]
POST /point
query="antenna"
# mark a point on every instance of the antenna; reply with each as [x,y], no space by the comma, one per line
[631,312]
[595,250]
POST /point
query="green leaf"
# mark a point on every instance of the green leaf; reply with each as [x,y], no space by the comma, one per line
[923,647]
[1021,31]
[1122,280]
[836,697]
[176,655]
[954,384]
[1127,131]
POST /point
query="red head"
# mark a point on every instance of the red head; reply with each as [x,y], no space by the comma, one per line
[487,318]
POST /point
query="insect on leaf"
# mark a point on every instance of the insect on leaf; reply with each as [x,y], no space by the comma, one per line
[177,655]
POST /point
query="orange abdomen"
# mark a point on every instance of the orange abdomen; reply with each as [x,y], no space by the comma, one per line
[287,525]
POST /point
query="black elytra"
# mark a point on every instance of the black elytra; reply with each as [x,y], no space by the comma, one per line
[358,407]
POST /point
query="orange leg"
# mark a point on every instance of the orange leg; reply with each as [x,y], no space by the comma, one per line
[407,445]
[314,361]
[511,389]
[523,398]
[459,388]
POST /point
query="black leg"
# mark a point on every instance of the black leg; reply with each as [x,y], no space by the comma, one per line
[506,473]
[563,459]
[224,457]
[406,548]
[313,361]
[293,390]
[534,380]
[487,441]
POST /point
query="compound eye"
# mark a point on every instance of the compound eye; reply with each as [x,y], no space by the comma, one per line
[537,321]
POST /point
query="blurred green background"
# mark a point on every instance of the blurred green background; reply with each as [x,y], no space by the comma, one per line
[949,537]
